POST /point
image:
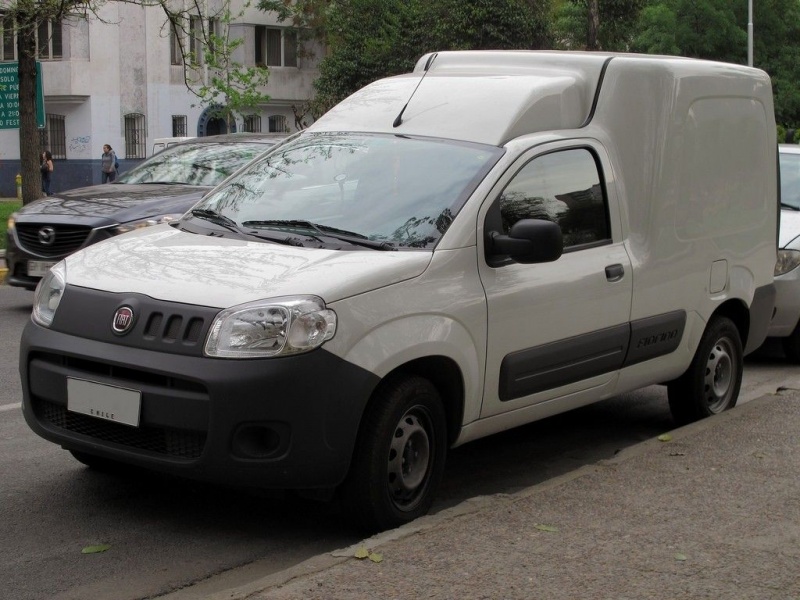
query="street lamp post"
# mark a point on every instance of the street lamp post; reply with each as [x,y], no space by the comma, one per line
[749,33]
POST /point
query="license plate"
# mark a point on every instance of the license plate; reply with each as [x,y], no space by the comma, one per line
[108,402]
[39,268]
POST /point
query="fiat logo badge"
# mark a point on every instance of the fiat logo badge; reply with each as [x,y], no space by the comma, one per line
[123,320]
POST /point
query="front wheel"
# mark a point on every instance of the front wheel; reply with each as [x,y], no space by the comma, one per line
[711,383]
[399,456]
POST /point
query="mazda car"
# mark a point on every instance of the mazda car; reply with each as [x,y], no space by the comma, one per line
[158,190]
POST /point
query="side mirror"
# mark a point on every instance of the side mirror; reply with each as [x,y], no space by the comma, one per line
[529,241]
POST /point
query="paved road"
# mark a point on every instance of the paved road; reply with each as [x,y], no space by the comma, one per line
[167,534]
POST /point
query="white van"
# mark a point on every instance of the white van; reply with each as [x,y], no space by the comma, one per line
[492,239]
[160,143]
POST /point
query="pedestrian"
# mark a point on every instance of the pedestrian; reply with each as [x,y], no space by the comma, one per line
[46,167]
[108,164]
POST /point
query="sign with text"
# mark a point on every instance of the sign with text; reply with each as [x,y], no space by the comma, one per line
[9,96]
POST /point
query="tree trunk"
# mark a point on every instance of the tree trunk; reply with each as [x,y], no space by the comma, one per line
[29,150]
[592,42]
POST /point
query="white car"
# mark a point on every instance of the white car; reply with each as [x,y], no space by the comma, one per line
[787,276]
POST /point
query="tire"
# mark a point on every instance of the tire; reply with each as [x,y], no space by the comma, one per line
[98,463]
[711,383]
[791,346]
[399,456]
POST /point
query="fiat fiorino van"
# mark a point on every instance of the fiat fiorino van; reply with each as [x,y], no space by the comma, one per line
[491,239]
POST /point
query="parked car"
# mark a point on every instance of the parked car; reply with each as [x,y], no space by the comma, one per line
[786,322]
[158,190]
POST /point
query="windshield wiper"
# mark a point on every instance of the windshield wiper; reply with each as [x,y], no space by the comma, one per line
[217,218]
[342,235]
[792,206]
[230,224]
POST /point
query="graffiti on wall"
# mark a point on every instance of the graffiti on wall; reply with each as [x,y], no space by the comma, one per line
[80,144]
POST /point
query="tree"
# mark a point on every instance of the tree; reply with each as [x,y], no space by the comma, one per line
[595,25]
[695,28]
[229,85]
[218,80]
[371,39]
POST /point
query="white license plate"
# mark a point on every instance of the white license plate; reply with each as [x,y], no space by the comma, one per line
[39,268]
[120,405]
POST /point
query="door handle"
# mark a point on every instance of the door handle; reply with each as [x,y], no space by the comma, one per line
[615,272]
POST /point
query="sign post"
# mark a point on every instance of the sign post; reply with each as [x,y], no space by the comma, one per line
[9,96]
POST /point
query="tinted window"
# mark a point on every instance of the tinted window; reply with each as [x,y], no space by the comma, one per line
[564,187]
[790,179]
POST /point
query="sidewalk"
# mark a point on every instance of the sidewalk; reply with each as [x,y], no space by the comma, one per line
[713,512]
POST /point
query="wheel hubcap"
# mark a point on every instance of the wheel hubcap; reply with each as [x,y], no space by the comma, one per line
[719,376]
[409,460]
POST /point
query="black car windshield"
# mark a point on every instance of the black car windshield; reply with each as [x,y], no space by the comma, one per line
[396,189]
[790,180]
[203,164]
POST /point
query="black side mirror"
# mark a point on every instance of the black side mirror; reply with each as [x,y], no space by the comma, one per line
[529,241]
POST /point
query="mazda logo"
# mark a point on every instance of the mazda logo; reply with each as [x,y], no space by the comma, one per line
[47,235]
[123,320]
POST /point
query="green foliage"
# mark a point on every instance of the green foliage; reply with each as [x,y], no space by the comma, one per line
[219,81]
[570,24]
[371,39]
[6,208]
[695,28]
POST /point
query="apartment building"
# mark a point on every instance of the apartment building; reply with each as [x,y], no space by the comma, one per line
[119,79]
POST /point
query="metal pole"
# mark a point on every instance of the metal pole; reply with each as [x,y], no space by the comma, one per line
[749,33]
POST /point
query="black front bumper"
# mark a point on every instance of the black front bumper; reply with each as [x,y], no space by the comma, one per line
[285,423]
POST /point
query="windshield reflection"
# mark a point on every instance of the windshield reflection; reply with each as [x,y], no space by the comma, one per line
[202,164]
[397,189]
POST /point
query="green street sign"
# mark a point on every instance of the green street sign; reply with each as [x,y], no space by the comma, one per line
[9,96]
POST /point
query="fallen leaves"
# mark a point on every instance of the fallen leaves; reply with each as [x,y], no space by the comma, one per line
[95,549]
[363,553]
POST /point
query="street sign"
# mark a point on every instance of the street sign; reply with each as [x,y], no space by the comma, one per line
[9,96]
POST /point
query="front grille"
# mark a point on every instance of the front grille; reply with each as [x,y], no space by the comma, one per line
[59,239]
[165,441]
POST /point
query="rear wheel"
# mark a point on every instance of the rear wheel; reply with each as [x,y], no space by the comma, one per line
[711,383]
[399,457]
[791,345]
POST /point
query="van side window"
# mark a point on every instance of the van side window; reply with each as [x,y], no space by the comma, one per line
[564,187]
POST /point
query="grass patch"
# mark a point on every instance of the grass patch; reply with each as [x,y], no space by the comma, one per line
[6,208]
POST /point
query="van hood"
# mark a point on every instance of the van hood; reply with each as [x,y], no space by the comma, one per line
[112,203]
[167,264]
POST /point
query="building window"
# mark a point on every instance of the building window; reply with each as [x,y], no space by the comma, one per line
[252,124]
[49,44]
[175,45]
[48,41]
[9,46]
[53,137]
[277,124]
[275,47]
[201,38]
[178,125]
[135,136]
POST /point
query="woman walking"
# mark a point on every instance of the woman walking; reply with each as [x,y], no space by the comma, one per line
[46,168]
[108,164]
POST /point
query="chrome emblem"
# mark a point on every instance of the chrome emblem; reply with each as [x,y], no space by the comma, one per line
[47,235]
[123,320]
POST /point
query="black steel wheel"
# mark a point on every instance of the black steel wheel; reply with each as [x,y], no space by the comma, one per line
[399,456]
[711,383]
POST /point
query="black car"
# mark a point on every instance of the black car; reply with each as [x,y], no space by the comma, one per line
[160,189]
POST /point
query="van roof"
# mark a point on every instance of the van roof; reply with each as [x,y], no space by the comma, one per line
[493,96]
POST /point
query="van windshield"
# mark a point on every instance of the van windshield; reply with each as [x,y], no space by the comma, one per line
[396,190]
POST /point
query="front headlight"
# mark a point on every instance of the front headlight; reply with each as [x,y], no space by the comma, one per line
[787,260]
[48,294]
[280,326]
[157,220]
